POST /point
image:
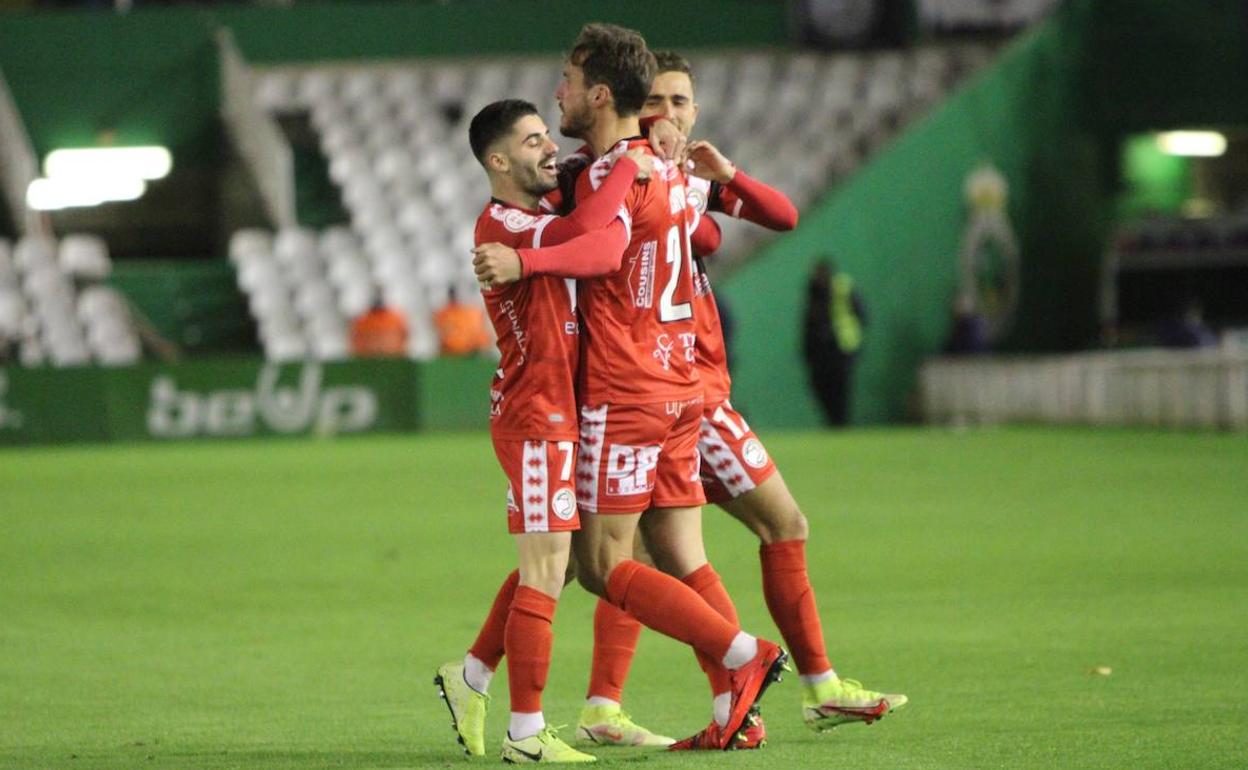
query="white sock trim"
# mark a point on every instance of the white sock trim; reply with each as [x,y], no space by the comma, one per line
[524,725]
[810,680]
[477,674]
[721,708]
[598,700]
[742,650]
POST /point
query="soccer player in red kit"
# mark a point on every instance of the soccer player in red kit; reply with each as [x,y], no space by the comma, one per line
[737,472]
[533,410]
[641,401]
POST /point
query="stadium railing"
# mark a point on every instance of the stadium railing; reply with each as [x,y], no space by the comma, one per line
[1150,388]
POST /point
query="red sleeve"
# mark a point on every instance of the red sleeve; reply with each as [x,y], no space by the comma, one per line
[595,211]
[592,254]
[762,204]
[706,237]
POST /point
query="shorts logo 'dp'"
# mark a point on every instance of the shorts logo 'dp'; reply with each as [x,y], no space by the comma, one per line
[631,469]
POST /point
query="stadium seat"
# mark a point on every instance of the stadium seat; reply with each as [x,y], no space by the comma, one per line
[85,257]
[32,252]
[394,139]
[276,91]
[12,311]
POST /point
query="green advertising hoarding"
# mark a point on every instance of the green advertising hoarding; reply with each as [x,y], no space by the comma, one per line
[237,398]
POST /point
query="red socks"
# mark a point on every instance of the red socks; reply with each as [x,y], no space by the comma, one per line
[527,639]
[706,582]
[615,642]
[488,648]
[670,607]
[791,601]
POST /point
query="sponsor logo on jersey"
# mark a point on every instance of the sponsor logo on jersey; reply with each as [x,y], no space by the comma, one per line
[631,469]
[643,266]
[754,454]
[663,345]
[517,331]
[563,504]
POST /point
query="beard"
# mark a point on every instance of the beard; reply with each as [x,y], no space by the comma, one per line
[530,180]
[575,121]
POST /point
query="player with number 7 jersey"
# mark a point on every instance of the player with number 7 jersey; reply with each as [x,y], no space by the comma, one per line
[533,415]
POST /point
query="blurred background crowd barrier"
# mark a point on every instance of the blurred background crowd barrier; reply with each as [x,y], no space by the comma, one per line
[1019,179]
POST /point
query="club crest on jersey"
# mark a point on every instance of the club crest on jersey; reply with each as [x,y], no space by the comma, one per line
[518,221]
[697,198]
[511,500]
[563,504]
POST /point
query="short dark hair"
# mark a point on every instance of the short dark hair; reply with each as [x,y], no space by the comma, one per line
[493,122]
[617,58]
[670,61]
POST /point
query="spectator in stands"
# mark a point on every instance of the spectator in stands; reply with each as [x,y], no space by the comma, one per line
[969,333]
[1186,327]
[461,327]
[381,332]
[832,336]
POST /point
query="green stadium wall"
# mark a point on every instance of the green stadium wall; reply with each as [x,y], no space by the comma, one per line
[1051,114]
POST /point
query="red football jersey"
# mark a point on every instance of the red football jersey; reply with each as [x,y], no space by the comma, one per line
[639,333]
[712,353]
[533,393]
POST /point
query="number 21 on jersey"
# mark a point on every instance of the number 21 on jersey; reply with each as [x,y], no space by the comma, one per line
[679,259]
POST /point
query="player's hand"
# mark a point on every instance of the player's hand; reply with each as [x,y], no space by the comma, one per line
[706,161]
[496,265]
[644,161]
[666,140]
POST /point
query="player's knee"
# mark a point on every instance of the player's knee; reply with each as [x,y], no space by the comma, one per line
[546,576]
[780,524]
[792,526]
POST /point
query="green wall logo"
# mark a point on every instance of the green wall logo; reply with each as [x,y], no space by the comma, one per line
[270,406]
[10,419]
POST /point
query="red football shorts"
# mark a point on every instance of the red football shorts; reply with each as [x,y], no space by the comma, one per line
[639,456]
[733,459]
[540,492]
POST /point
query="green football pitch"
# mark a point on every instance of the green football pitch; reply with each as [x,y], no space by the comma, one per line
[283,604]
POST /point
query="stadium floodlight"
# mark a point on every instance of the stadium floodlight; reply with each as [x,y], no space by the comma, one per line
[151,162]
[1192,144]
[53,194]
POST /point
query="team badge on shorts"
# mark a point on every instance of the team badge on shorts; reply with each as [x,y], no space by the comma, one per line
[753,453]
[564,504]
